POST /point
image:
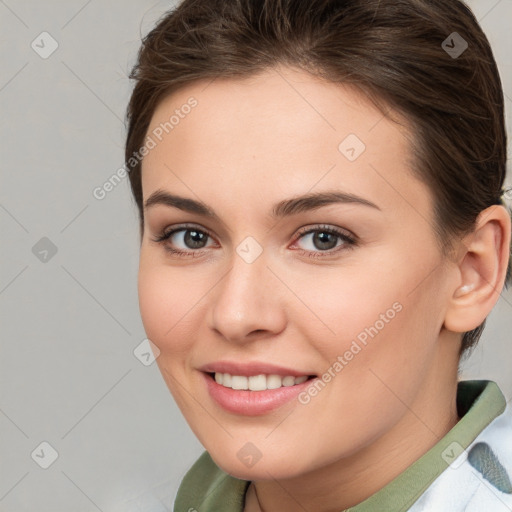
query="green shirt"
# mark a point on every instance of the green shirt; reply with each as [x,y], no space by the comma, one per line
[206,488]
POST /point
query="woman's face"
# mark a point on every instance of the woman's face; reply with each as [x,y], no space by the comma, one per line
[352,291]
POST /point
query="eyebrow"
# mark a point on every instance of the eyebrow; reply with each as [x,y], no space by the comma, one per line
[284,208]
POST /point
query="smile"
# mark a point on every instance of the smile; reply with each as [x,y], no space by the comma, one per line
[254,395]
[257,382]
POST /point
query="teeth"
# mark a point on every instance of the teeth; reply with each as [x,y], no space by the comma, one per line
[274,381]
[238,382]
[288,381]
[257,382]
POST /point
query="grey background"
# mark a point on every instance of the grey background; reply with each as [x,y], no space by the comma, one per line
[70,324]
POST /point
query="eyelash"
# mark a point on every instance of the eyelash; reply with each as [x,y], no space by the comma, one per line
[349,241]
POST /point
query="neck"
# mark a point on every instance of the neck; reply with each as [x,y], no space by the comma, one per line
[349,481]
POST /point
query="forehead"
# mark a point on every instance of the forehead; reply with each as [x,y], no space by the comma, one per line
[285,132]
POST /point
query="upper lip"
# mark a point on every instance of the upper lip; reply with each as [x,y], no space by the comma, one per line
[250,369]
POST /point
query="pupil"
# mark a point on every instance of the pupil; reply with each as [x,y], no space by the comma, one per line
[192,238]
[321,240]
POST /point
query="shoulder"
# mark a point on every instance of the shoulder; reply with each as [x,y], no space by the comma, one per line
[205,487]
[479,475]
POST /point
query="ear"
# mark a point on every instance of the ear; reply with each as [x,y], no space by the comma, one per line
[482,265]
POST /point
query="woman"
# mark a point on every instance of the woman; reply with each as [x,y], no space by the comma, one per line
[323,234]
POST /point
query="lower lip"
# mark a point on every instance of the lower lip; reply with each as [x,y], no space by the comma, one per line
[252,403]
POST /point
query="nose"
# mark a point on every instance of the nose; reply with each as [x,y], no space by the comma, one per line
[247,303]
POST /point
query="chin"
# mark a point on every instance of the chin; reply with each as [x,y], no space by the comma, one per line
[266,468]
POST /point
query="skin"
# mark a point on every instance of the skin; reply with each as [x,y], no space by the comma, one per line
[247,145]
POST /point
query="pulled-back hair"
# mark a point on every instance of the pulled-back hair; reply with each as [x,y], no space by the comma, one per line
[396,51]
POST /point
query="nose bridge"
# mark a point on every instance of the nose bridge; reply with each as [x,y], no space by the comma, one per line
[244,301]
[248,268]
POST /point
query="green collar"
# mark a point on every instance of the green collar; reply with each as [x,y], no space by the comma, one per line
[207,488]
[478,403]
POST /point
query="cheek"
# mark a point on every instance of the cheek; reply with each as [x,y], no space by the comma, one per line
[166,306]
[373,312]
[350,303]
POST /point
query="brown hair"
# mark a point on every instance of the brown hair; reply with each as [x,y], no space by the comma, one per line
[399,52]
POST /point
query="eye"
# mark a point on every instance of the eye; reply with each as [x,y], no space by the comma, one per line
[325,239]
[318,241]
[183,240]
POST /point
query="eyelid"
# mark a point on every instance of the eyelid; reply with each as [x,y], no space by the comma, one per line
[349,239]
[166,233]
[302,231]
[326,227]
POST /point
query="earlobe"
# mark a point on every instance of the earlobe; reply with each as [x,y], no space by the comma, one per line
[482,270]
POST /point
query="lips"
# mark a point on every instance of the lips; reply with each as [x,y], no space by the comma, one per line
[251,403]
[261,399]
[253,368]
